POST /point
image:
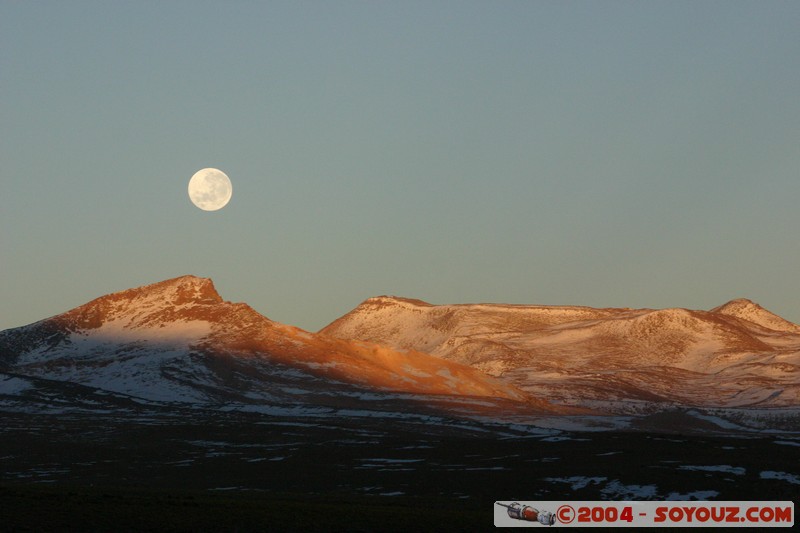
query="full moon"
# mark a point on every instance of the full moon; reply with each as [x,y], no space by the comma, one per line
[210,189]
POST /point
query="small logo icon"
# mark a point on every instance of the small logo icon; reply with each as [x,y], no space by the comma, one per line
[528,513]
[565,514]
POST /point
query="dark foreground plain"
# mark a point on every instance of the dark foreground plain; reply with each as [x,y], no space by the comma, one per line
[200,471]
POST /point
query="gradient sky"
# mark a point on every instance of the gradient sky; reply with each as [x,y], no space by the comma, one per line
[610,154]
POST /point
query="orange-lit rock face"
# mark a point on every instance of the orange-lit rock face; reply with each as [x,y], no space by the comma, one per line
[735,355]
[383,368]
[183,298]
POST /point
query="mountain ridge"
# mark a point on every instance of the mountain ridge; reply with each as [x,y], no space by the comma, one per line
[734,355]
[178,339]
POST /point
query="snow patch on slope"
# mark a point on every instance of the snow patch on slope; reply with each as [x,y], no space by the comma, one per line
[13,385]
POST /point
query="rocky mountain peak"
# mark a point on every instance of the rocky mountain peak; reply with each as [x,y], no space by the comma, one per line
[393,301]
[186,296]
[749,310]
[182,290]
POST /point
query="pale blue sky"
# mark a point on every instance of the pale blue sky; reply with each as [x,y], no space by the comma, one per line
[610,154]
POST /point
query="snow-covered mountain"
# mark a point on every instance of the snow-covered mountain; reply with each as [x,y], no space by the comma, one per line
[736,355]
[167,387]
[178,341]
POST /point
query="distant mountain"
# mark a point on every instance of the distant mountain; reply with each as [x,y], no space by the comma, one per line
[752,312]
[178,341]
[620,360]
